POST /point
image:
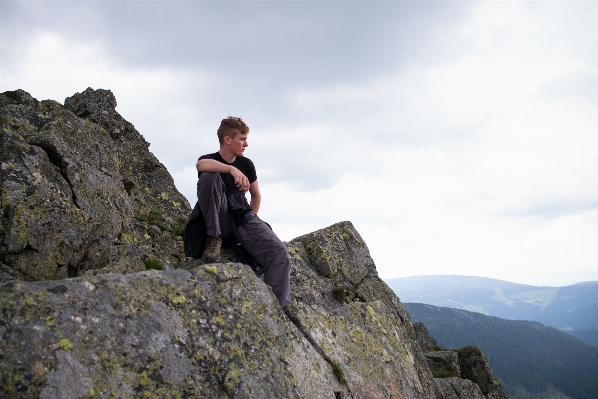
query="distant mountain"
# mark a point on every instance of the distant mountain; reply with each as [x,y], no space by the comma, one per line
[589,335]
[573,308]
[529,359]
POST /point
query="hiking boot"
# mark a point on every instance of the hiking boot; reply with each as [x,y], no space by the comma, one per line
[211,252]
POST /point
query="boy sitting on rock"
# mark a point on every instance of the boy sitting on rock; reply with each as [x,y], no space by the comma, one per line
[224,178]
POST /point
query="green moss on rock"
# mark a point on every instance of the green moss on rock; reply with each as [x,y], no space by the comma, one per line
[76,193]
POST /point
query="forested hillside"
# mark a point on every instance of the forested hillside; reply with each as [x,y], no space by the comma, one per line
[523,354]
[589,335]
[572,309]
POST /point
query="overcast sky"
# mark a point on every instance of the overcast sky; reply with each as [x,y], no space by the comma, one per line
[458,137]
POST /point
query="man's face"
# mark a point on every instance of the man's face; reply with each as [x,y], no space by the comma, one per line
[237,145]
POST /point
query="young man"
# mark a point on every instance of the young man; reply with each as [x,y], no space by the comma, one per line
[224,178]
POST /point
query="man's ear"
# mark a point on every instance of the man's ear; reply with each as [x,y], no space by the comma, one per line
[227,139]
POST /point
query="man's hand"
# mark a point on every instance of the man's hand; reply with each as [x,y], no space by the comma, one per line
[241,181]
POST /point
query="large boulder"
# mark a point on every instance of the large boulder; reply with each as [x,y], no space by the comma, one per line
[475,367]
[353,318]
[81,192]
[458,388]
[215,331]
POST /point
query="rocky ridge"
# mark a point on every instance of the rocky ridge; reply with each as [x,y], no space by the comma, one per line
[82,197]
[464,372]
[81,192]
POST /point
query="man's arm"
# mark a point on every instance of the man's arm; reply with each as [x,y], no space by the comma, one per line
[256,197]
[212,165]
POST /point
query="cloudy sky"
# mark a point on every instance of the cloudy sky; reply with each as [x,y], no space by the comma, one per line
[458,137]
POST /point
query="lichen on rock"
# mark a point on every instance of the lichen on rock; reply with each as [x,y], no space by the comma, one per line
[368,334]
[215,331]
[81,193]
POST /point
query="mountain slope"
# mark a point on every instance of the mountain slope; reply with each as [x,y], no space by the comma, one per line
[571,308]
[524,355]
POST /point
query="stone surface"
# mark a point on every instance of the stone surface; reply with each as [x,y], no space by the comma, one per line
[443,364]
[215,331]
[475,367]
[81,192]
[351,316]
[426,342]
[465,389]
[445,389]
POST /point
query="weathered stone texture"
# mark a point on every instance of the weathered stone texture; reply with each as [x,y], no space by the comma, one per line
[215,331]
[452,387]
[353,318]
[475,367]
[81,192]
[426,342]
[443,363]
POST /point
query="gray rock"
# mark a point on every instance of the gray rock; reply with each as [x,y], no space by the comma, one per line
[69,380]
[209,331]
[426,342]
[475,367]
[81,193]
[465,388]
[445,389]
[353,318]
[443,363]
[216,331]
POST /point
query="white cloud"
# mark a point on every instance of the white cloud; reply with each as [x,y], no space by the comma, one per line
[160,102]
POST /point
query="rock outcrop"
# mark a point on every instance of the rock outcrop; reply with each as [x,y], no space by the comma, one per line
[464,372]
[353,318]
[82,197]
[216,331]
[81,192]
[213,332]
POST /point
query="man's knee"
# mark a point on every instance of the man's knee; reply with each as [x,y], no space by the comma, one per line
[208,178]
[284,253]
[275,245]
[280,256]
[210,183]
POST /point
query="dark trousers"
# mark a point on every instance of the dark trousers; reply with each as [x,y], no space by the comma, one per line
[254,235]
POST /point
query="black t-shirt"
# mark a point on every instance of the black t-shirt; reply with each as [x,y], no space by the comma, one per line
[243,164]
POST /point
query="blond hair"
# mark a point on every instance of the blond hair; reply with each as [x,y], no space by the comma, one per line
[227,127]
